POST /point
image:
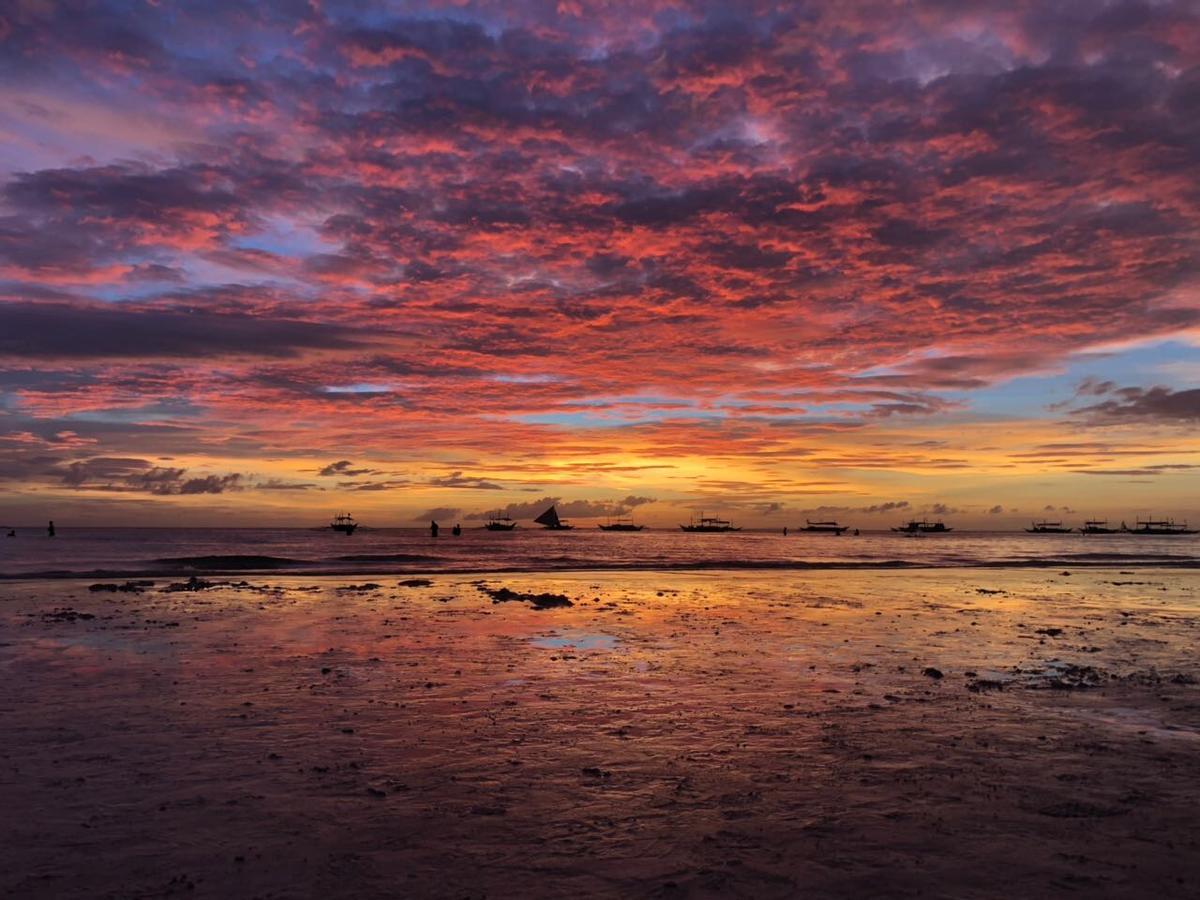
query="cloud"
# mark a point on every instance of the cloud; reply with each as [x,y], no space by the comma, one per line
[458,480]
[1136,404]
[344,468]
[118,475]
[445,513]
[93,331]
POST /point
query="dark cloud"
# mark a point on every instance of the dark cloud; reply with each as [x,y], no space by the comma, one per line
[62,331]
[458,480]
[446,513]
[1136,404]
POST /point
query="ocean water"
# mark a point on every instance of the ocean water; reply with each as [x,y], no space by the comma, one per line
[132,552]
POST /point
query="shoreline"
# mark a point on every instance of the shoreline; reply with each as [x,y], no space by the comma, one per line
[300,569]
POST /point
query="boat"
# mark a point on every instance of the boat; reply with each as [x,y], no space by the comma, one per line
[497,522]
[343,522]
[1158,526]
[709,525]
[1047,527]
[1097,526]
[823,527]
[549,519]
[621,523]
[922,527]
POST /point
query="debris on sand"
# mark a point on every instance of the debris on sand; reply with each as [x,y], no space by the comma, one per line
[415,582]
[539,601]
[1074,809]
[66,614]
[989,591]
[1072,677]
[931,672]
[357,588]
[1050,632]
[980,685]
[129,587]
[192,584]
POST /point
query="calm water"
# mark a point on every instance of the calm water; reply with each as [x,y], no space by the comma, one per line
[129,551]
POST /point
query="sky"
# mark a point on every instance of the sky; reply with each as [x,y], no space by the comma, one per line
[261,262]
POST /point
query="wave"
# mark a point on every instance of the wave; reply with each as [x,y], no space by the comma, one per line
[231,563]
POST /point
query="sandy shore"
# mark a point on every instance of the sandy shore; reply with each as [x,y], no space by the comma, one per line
[952,733]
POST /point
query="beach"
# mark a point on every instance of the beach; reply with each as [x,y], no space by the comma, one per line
[939,733]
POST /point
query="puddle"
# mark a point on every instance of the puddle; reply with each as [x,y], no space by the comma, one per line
[577,640]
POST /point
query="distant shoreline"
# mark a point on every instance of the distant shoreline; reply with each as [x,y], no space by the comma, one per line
[297,568]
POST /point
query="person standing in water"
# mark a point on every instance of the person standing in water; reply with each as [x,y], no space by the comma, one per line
[50,529]
[456,530]
[433,529]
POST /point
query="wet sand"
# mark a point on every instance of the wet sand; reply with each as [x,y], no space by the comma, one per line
[943,733]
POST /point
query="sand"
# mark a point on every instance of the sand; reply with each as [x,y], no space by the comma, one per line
[944,733]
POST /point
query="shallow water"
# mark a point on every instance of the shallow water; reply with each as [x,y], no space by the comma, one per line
[132,551]
[670,734]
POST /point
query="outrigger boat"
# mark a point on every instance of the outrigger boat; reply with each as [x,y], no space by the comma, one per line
[1045,527]
[709,525]
[621,523]
[1097,526]
[550,520]
[1158,526]
[343,522]
[497,522]
[922,527]
[824,527]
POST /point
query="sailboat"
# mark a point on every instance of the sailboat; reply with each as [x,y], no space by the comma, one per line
[621,523]
[551,520]
[343,522]
[824,527]
[497,522]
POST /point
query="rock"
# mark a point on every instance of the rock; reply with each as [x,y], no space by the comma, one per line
[1050,632]
[931,672]
[416,582]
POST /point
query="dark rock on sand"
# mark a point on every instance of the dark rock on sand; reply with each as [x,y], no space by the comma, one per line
[931,672]
[66,615]
[130,587]
[539,601]
[192,584]
[416,582]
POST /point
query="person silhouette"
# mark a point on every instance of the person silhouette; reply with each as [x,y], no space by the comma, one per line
[456,530]
[433,529]
[50,529]
[785,531]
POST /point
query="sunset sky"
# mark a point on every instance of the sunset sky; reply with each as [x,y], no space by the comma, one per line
[268,261]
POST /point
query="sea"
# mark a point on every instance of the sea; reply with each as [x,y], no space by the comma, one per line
[161,552]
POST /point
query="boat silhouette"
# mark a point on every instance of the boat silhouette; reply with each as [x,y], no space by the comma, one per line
[1047,527]
[497,522]
[550,520]
[343,522]
[924,526]
[621,523]
[1097,526]
[709,525]
[1159,527]
[823,527]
